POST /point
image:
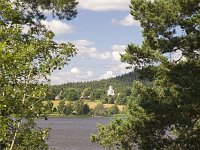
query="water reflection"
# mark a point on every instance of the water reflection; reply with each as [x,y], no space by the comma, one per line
[72,133]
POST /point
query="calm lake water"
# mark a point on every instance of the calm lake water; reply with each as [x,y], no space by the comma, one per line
[72,133]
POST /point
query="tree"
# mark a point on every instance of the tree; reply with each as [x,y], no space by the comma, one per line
[113,110]
[68,108]
[127,91]
[48,107]
[61,107]
[71,94]
[164,114]
[86,92]
[121,99]
[26,61]
[99,88]
[111,99]
[99,110]
[78,107]
[86,109]
[104,100]
[97,93]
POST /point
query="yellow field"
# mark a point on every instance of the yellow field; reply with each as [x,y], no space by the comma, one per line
[121,107]
[92,105]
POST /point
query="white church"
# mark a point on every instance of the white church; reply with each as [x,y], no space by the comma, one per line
[111,91]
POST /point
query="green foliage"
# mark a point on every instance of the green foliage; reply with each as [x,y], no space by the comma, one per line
[61,107]
[80,108]
[120,132]
[96,94]
[86,92]
[54,110]
[163,114]
[68,109]
[95,89]
[63,9]
[113,110]
[86,109]
[127,91]
[122,99]
[48,107]
[26,61]
[92,95]
[111,99]
[104,100]
[99,110]
[71,94]
[77,107]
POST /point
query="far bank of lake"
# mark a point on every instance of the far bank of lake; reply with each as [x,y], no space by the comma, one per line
[73,133]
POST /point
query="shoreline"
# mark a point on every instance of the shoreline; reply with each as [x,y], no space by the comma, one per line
[79,116]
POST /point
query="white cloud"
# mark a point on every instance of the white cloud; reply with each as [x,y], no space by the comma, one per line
[45,11]
[83,43]
[58,27]
[115,66]
[25,29]
[104,5]
[127,21]
[90,73]
[108,74]
[101,56]
[113,55]
[81,73]
[75,70]
[87,49]
[119,68]
[174,56]
[74,75]
[84,47]
[117,50]
[105,55]
[116,55]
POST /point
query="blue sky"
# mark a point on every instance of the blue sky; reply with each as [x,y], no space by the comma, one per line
[101,31]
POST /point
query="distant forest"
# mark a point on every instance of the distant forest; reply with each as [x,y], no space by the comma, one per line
[94,89]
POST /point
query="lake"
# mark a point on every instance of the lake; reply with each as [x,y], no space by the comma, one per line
[72,133]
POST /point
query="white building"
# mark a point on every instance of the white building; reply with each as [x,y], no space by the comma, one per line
[57,97]
[111,91]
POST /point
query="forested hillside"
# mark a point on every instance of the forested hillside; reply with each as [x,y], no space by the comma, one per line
[95,89]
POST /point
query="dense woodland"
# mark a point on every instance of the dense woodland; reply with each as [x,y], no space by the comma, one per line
[94,89]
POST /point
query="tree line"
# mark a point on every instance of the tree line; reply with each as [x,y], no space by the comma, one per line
[95,90]
[79,107]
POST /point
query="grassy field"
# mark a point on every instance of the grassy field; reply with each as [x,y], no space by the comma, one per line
[91,104]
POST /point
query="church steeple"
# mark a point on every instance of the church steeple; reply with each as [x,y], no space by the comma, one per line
[111,91]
